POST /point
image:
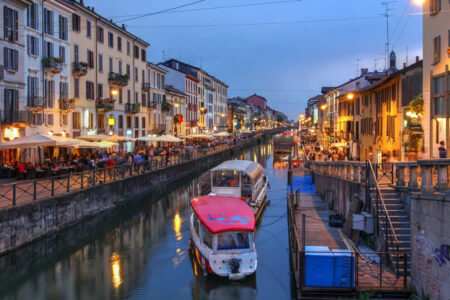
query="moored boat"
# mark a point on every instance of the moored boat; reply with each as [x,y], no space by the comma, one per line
[243,179]
[222,236]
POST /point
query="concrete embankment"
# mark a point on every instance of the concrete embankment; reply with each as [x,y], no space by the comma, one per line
[24,224]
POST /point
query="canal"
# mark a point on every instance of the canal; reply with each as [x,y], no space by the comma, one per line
[140,251]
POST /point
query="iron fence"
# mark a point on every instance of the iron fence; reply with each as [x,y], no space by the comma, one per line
[31,190]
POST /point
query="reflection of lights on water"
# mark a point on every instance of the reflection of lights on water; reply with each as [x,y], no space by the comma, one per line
[255,159]
[115,268]
[177,220]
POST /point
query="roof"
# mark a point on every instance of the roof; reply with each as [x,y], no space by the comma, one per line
[256,95]
[172,90]
[223,213]
[152,65]
[246,166]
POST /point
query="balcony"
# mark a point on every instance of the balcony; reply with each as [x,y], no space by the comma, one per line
[14,116]
[152,105]
[79,69]
[104,105]
[67,104]
[117,79]
[37,102]
[52,64]
[146,86]
[132,108]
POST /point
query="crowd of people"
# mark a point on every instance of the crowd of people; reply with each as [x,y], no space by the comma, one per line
[145,156]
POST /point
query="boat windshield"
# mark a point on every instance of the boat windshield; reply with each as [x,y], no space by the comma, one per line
[225,179]
[233,240]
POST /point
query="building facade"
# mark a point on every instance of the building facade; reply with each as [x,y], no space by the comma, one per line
[436,75]
[14,116]
[156,99]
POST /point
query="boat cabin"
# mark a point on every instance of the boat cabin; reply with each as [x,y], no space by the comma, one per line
[238,178]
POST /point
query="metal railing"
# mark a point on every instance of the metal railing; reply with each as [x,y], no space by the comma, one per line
[366,273]
[31,190]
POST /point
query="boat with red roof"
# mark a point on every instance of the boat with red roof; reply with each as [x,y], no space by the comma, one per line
[222,236]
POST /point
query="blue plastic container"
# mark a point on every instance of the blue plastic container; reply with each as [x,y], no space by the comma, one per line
[344,269]
[318,267]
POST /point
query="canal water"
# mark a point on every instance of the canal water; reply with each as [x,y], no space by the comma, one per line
[140,251]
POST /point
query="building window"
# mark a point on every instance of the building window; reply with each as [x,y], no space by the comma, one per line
[11,59]
[144,104]
[76,87]
[63,119]
[143,122]
[88,29]
[128,48]
[11,24]
[100,121]
[128,70]
[120,67]
[143,55]
[437,49]
[50,119]
[120,96]
[129,122]
[99,90]
[33,45]
[100,34]
[62,53]
[128,96]
[119,43]
[49,49]
[439,95]
[120,122]
[136,74]
[110,40]
[63,28]
[76,55]
[90,90]
[76,26]
[136,122]
[90,57]
[435,7]
[111,67]
[136,97]
[136,52]
[75,120]
[32,16]
[91,121]
[100,63]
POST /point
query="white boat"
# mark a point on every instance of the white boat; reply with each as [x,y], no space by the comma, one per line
[243,179]
[222,236]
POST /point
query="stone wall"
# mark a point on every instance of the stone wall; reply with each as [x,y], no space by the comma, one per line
[430,245]
[24,224]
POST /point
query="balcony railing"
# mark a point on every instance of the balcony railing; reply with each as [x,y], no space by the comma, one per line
[79,69]
[66,104]
[132,108]
[152,105]
[14,116]
[52,64]
[104,105]
[118,79]
[146,86]
[37,102]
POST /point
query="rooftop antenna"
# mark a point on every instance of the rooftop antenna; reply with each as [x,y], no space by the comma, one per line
[375,64]
[357,66]
[164,55]
[386,15]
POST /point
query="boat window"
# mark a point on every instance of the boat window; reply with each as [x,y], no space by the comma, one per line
[226,179]
[196,225]
[232,240]
[206,237]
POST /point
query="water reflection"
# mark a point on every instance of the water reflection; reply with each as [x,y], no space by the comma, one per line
[140,251]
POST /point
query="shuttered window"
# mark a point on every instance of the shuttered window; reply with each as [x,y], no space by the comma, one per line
[11,24]
[33,45]
[11,59]
[63,28]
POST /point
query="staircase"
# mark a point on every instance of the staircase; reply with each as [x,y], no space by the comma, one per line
[401,226]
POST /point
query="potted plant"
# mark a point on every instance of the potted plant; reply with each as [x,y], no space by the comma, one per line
[165,106]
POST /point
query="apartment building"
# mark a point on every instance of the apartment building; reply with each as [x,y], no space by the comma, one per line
[14,116]
[175,124]
[220,104]
[109,76]
[157,104]
[47,72]
[436,75]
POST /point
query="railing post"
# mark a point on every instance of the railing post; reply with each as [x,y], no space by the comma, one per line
[114,173]
[441,183]
[427,178]
[68,182]
[413,175]
[104,175]
[94,177]
[82,180]
[14,195]
[401,175]
[34,190]
[53,186]
[356,172]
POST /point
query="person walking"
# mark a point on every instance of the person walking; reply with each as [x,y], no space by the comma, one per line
[442,150]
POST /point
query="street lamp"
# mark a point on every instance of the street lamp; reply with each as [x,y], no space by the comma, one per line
[114,92]
[419,2]
[324,106]
[350,96]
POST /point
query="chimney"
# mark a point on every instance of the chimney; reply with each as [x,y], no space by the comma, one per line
[88,7]
[82,2]
[417,59]
[364,71]
[123,27]
[92,8]
[404,65]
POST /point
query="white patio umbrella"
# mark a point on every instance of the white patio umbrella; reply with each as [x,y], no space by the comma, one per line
[38,139]
[223,133]
[115,138]
[168,138]
[106,144]
[147,139]
[92,137]
[87,145]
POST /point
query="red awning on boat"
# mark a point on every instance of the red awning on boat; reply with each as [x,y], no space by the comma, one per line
[223,213]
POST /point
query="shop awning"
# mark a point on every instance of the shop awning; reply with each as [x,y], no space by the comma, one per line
[39,139]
